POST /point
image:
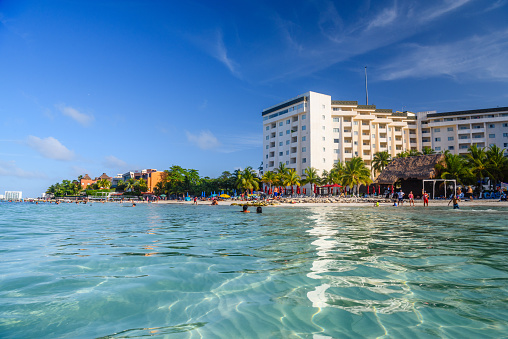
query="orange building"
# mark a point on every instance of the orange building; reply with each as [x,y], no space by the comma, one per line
[153,179]
[86,181]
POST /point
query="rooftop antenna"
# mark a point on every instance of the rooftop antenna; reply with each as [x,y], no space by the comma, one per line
[366,89]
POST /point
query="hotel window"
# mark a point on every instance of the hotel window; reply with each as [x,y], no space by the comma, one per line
[304,117]
[437,148]
[267,128]
[267,156]
[437,129]
[355,123]
[324,149]
[373,136]
[287,152]
[335,141]
[448,119]
[492,126]
[281,154]
[389,138]
[505,125]
[449,129]
[304,128]
[288,121]
[336,120]
[304,149]
[463,146]
[355,133]
[287,142]
[267,137]
[287,162]
[323,117]
[266,146]
[451,148]
[450,138]
[437,139]
[505,144]
[280,134]
[323,138]
[492,135]
[304,160]
[505,135]
[304,138]
[336,150]
[324,160]
[288,131]
[323,127]
[280,143]
[336,130]
[281,123]
[389,129]
[355,142]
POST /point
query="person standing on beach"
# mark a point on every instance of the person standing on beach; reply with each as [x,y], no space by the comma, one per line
[411,198]
[425,199]
[455,201]
[401,197]
[195,200]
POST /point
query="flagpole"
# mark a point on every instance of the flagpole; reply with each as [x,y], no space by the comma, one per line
[366,89]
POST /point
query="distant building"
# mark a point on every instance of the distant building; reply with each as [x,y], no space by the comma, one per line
[457,131]
[13,195]
[86,181]
[150,175]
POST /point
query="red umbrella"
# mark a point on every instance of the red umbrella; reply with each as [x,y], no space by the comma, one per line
[304,191]
[368,189]
[297,189]
[392,188]
[291,189]
[379,192]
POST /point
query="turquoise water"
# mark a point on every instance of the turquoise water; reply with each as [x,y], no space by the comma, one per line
[112,271]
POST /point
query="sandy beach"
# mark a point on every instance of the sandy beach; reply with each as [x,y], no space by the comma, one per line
[352,203]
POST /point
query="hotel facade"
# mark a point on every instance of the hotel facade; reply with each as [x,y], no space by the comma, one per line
[457,131]
[312,130]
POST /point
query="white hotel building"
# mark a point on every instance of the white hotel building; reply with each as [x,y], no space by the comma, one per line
[457,131]
[312,130]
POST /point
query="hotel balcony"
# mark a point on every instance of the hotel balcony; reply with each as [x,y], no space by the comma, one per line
[464,131]
[414,144]
[464,140]
[365,127]
[383,140]
[365,137]
[347,124]
[478,130]
[347,135]
[397,133]
[366,147]
[478,140]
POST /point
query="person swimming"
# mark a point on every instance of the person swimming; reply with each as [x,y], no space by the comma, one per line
[245,207]
[259,209]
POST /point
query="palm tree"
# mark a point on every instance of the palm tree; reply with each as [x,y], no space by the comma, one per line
[247,180]
[496,162]
[292,178]
[282,172]
[129,184]
[455,167]
[380,161]
[403,154]
[356,173]
[427,151]
[414,153]
[269,178]
[311,177]
[478,162]
[104,183]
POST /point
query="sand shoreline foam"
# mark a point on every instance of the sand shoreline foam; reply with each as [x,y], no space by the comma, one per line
[298,202]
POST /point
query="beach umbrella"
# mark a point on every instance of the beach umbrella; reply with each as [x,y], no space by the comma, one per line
[368,189]
[291,189]
[304,191]
[297,189]
[392,188]
[379,190]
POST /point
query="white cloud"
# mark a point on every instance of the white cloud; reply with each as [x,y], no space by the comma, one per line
[444,8]
[220,53]
[82,118]
[385,18]
[50,148]
[111,161]
[478,56]
[205,140]
[10,169]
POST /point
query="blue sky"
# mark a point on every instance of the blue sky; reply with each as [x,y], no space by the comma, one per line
[111,86]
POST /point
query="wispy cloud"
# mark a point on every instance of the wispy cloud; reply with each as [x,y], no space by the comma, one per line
[220,53]
[50,148]
[443,8]
[496,5]
[384,18]
[10,169]
[478,56]
[204,140]
[82,118]
[113,162]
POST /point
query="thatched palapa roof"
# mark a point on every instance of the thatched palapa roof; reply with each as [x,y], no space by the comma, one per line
[86,177]
[419,167]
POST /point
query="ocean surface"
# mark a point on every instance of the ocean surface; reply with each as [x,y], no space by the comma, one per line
[172,271]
